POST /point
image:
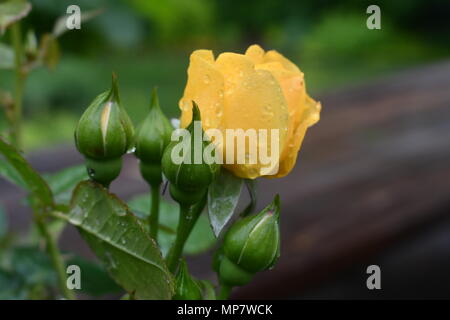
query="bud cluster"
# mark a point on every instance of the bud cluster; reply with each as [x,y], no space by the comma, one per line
[105,133]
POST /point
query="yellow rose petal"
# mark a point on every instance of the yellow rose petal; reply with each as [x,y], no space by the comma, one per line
[273,56]
[205,87]
[309,117]
[253,100]
[294,92]
[255,53]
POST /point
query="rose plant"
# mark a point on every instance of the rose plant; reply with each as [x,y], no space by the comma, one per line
[141,243]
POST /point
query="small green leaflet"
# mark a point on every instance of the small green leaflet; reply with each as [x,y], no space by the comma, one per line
[28,176]
[223,196]
[12,11]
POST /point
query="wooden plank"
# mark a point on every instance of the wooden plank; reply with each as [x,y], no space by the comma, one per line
[376,168]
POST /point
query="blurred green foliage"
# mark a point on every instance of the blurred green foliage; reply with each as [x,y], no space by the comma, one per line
[148,43]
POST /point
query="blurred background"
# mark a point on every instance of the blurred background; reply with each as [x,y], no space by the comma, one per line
[148,43]
[371,183]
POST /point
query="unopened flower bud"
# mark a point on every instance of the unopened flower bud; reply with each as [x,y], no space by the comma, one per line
[252,244]
[103,134]
[233,275]
[152,137]
[189,179]
[186,287]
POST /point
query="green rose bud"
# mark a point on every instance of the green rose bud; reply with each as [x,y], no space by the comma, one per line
[233,275]
[252,244]
[186,287]
[189,177]
[152,137]
[103,134]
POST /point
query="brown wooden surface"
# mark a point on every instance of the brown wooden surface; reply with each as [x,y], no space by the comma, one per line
[374,169]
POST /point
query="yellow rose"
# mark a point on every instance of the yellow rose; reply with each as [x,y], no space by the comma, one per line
[255,90]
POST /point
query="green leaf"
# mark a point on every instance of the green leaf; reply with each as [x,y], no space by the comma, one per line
[33,265]
[223,196]
[26,273]
[132,258]
[63,182]
[95,281]
[201,238]
[32,180]
[50,51]
[12,11]
[12,286]
[6,57]
[11,174]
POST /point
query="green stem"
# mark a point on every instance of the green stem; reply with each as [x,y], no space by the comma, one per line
[16,39]
[154,211]
[185,224]
[225,291]
[188,217]
[56,259]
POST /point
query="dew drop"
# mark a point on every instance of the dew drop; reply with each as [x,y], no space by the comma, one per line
[77,215]
[184,106]
[91,172]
